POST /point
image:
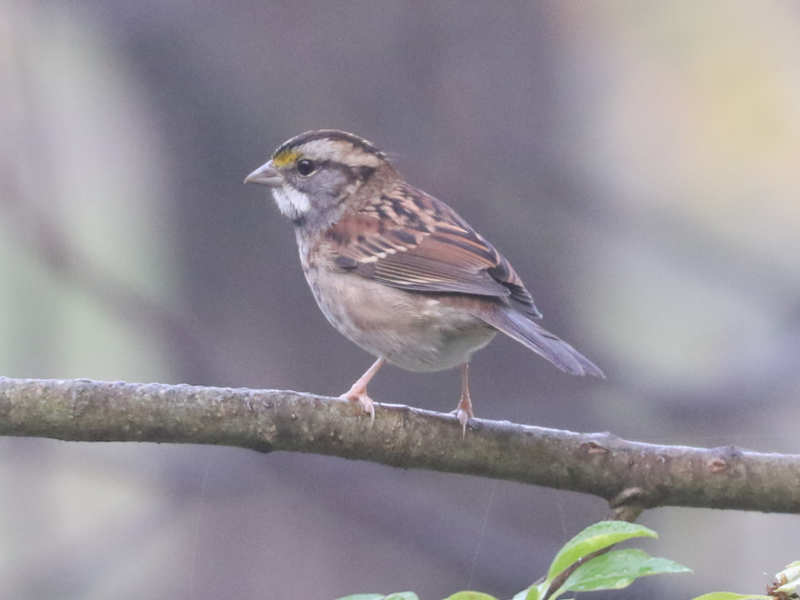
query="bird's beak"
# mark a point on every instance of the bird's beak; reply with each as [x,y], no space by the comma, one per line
[266,174]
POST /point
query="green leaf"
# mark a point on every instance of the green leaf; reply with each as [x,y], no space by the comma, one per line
[593,538]
[534,592]
[789,578]
[468,595]
[402,596]
[538,591]
[618,569]
[731,596]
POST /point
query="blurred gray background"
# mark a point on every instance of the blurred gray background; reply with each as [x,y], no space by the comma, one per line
[636,161]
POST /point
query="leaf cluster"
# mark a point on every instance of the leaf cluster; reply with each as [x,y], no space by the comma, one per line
[585,563]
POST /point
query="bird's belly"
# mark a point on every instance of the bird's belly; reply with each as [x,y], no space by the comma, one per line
[413,331]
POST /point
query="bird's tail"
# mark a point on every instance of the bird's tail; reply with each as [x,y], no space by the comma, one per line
[537,338]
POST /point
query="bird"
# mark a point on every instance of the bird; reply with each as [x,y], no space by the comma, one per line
[396,270]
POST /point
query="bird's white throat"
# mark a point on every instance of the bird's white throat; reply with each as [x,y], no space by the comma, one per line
[291,203]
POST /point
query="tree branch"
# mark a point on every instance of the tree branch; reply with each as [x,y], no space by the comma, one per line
[630,475]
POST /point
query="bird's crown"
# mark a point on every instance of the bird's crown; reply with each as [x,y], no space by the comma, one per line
[331,145]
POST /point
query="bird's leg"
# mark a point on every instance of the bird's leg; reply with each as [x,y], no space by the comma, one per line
[463,411]
[358,391]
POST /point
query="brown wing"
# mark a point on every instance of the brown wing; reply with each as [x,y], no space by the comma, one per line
[410,240]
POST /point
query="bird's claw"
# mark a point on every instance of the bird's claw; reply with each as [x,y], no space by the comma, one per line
[463,418]
[364,401]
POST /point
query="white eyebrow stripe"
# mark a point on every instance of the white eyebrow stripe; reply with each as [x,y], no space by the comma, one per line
[340,151]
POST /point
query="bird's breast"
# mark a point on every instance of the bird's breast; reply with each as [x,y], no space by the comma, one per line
[414,331]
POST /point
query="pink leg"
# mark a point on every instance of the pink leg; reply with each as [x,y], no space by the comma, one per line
[464,409]
[358,391]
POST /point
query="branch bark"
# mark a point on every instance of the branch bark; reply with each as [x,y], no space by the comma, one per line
[630,475]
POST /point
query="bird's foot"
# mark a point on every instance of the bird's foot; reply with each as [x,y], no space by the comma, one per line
[365,402]
[463,417]
[463,411]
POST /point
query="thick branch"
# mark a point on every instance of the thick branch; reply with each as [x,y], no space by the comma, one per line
[627,474]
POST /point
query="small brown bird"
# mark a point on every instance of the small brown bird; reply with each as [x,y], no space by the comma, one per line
[397,271]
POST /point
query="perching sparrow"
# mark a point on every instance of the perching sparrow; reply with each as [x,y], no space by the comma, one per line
[397,271]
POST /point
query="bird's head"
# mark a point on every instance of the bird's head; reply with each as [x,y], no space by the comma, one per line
[311,174]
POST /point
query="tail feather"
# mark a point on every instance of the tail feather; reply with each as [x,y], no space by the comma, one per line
[535,337]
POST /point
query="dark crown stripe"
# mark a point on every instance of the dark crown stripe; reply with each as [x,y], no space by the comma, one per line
[329,134]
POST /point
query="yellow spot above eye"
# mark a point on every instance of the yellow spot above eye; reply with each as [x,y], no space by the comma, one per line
[285,158]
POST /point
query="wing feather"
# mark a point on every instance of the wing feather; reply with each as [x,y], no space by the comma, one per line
[410,240]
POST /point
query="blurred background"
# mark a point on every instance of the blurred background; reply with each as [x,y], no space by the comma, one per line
[636,161]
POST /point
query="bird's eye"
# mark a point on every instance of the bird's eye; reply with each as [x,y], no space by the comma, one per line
[306,167]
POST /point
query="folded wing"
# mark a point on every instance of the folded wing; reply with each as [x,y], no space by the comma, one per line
[410,240]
